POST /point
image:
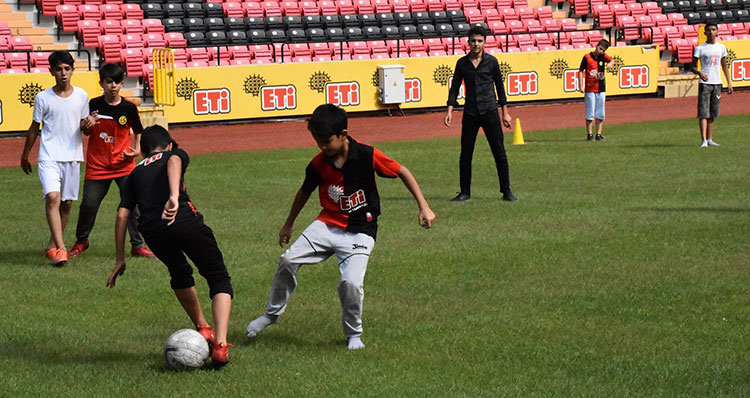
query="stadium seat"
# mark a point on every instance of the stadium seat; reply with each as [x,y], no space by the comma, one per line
[315,34]
[237,37]
[196,39]
[175,39]
[372,33]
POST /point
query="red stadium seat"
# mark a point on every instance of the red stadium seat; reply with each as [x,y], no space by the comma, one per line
[237,10]
[509,14]
[491,15]
[110,27]
[154,40]
[197,54]
[677,19]
[152,26]
[291,8]
[271,9]
[524,13]
[89,32]
[498,27]
[67,16]
[635,9]
[568,24]
[175,39]
[542,39]
[134,40]
[541,13]
[550,25]
[90,12]
[111,11]
[131,11]
[20,43]
[260,50]
[533,26]
[132,26]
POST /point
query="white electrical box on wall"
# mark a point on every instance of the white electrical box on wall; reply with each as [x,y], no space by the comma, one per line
[392,89]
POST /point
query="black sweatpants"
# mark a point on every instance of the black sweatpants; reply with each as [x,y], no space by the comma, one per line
[196,240]
[490,123]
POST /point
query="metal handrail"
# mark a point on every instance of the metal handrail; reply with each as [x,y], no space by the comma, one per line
[28,54]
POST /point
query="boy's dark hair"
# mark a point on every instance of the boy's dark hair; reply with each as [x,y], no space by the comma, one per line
[327,120]
[111,71]
[155,137]
[477,30]
[60,57]
[710,24]
[604,43]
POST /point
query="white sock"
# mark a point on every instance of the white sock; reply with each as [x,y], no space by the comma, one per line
[712,143]
[355,343]
[704,144]
[260,323]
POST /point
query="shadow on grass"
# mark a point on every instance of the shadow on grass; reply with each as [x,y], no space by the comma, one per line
[659,145]
[25,257]
[695,209]
[52,355]
[270,337]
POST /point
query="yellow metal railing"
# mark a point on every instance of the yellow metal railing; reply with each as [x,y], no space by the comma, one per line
[164,85]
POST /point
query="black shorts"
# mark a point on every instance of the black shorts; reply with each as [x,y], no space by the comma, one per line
[196,240]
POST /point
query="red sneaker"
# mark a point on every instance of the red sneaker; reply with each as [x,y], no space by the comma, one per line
[220,354]
[141,252]
[50,253]
[61,257]
[78,248]
[207,333]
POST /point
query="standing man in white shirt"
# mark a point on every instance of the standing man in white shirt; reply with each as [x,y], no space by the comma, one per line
[62,111]
[711,54]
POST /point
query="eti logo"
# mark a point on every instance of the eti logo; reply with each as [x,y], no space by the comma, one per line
[461,90]
[741,69]
[570,80]
[342,94]
[413,90]
[150,160]
[278,97]
[353,201]
[211,101]
[634,76]
[107,138]
[523,83]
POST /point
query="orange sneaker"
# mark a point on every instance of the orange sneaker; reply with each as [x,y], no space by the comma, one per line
[61,257]
[141,252]
[220,354]
[78,248]
[207,333]
[50,253]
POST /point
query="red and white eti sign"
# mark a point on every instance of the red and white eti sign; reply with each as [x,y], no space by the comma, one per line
[274,98]
[523,83]
[570,80]
[634,76]
[342,94]
[211,101]
[413,90]
[740,70]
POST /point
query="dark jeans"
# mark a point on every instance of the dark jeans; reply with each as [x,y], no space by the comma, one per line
[94,192]
[197,241]
[490,123]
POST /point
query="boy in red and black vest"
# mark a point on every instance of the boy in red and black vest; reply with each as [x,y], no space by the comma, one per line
[344,174]
[592,84]
[109,156]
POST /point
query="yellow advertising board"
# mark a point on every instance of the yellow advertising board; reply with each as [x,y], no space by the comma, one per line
[261,91]
[17,93]
[738,59]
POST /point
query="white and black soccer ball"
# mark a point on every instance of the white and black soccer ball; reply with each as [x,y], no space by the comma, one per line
[186,349]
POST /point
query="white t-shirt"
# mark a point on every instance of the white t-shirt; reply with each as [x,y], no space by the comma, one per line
[710,56]
[61,124]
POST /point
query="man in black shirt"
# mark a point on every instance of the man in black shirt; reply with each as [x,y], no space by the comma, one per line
[480,72]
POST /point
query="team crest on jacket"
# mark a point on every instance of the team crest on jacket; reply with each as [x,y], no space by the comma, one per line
[335,192]
[122,120]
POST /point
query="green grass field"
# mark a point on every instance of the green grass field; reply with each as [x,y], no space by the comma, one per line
[622,271]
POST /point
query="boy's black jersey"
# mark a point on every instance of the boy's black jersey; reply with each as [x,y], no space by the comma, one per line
[148,187]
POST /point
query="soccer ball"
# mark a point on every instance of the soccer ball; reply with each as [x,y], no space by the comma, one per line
[186,349]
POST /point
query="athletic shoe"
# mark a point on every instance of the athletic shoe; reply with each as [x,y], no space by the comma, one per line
[141,252]
[78,248]
[50,253]
[704,144]
[599,137]
[461,197]
[220,354]
[509,197]
[589,137]
[61,257]
[712,143]
[207,333]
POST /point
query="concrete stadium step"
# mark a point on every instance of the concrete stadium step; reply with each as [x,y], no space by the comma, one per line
[678,86]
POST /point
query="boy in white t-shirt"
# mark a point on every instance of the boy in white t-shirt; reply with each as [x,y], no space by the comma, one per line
[63,111]
[711,54]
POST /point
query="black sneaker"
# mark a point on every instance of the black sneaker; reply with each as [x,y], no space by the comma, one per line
[461,197]
[589,137]
[599,137]
[509,197]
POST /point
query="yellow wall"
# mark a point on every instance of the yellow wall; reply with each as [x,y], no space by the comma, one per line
[262,91]
[17,92]
[258,91]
